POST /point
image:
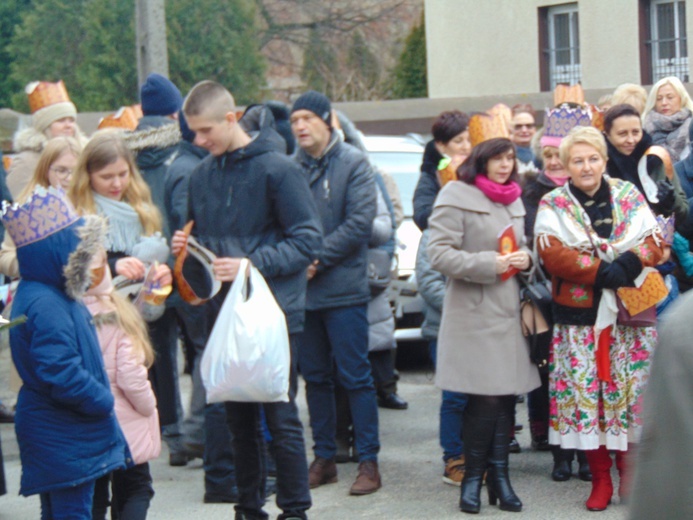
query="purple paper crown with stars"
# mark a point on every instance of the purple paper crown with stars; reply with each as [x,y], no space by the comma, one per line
[46,212]
[561,120]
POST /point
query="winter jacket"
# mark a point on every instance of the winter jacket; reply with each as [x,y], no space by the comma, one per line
[254,202]
[65,423]
[177,182]
[481,349]
[154,144]
[344,191]
[431,286]
[135,403]
[428,186]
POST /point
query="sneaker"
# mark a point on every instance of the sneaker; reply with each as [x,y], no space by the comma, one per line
[514,446]
[454,471]
[368,480]
[322,471]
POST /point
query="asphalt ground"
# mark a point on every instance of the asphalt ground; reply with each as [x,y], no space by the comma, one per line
[410,464]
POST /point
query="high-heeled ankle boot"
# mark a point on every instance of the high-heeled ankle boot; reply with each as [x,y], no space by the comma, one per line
[602,487]
[584,472]
[623,459]
[477,434]
[562,462]
[497,480]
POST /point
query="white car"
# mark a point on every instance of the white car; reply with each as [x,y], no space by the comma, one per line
[401,156]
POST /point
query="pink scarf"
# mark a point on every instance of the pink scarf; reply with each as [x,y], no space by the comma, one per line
[502,193]
[558,181]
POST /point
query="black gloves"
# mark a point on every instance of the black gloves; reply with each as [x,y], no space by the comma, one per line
[667,197]
[620,273]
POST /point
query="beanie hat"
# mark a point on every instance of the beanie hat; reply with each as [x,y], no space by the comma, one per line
[159,96]
[48,103]
[185,131]
[317,103]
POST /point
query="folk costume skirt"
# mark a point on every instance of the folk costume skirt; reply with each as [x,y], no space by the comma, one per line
[586,413]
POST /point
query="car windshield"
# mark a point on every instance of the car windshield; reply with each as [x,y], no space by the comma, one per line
[404,168]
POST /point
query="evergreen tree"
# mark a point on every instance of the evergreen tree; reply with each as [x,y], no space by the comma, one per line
[409,78]
[10,16]
[318,61]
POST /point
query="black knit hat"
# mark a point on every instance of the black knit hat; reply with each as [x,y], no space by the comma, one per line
[317,103]
[159,96]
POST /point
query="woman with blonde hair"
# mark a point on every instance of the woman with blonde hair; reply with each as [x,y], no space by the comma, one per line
[596,235]
[107,182]
[630,94]
[667,116]
[54,168]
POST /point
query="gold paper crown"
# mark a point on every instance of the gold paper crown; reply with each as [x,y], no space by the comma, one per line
[483,127]
[502,111]
[137,110]
[46,212]
[125,118]
[572,94]
[43,93]
[597,117]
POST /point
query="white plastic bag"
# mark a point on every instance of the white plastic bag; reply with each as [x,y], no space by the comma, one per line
[247,357]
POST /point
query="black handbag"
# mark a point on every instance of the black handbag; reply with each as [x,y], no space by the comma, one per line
[536,316]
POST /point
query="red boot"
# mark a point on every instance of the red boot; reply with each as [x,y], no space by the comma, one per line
[602,488]
[623,460]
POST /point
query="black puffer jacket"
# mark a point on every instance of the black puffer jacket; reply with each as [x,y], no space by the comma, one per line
[254,202]
[344,190]
[428,186]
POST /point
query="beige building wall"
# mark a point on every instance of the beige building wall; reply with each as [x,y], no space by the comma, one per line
[491,47]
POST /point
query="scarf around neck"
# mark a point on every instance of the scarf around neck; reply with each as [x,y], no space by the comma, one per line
[558,181]
[124,226]
[671,132]
[504,194]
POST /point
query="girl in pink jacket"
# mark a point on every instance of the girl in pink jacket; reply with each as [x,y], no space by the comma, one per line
[127,355]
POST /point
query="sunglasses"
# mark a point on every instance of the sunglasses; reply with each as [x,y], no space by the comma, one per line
[529,126]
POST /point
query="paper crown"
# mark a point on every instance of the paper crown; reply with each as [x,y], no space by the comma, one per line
[483,126]
[666,226]
[597,117]
[43,93]
[560,121]
[46,212]
[137,110]
[572,94]
[124,118]
[501,111]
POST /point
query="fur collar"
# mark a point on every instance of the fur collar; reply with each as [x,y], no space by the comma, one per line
[163,136]
[30,139]
[78,269]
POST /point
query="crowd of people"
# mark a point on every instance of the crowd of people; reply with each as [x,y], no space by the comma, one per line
[98,231]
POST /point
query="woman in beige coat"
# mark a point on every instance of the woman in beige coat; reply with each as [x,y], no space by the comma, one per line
[481,351]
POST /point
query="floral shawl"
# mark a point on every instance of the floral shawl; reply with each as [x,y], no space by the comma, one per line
[560,215]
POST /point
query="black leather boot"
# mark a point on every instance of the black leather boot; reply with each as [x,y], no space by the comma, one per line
[584,472]
[562,464]
[477,434]
[497,480]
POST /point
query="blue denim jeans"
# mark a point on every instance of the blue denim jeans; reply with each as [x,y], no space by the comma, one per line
[339,337]
[451,410]
[287,448]
[72,503]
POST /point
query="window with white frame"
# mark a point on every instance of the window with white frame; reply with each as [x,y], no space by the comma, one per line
[668,46]
[563,45]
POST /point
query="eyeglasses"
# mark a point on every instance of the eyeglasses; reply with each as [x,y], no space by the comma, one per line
[528,126]
[62,173]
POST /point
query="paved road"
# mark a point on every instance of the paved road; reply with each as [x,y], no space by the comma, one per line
[410,464]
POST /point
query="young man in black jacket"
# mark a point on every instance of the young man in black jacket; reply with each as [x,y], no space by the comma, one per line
[247,200]
[343,187]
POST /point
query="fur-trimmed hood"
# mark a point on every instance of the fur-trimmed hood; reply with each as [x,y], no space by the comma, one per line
[33,140]
[163,136]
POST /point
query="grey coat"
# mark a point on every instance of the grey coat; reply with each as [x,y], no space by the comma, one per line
[343,188]
[431,286]
[480,345]
[663,488]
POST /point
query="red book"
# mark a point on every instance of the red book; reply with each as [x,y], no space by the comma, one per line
[507,244]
